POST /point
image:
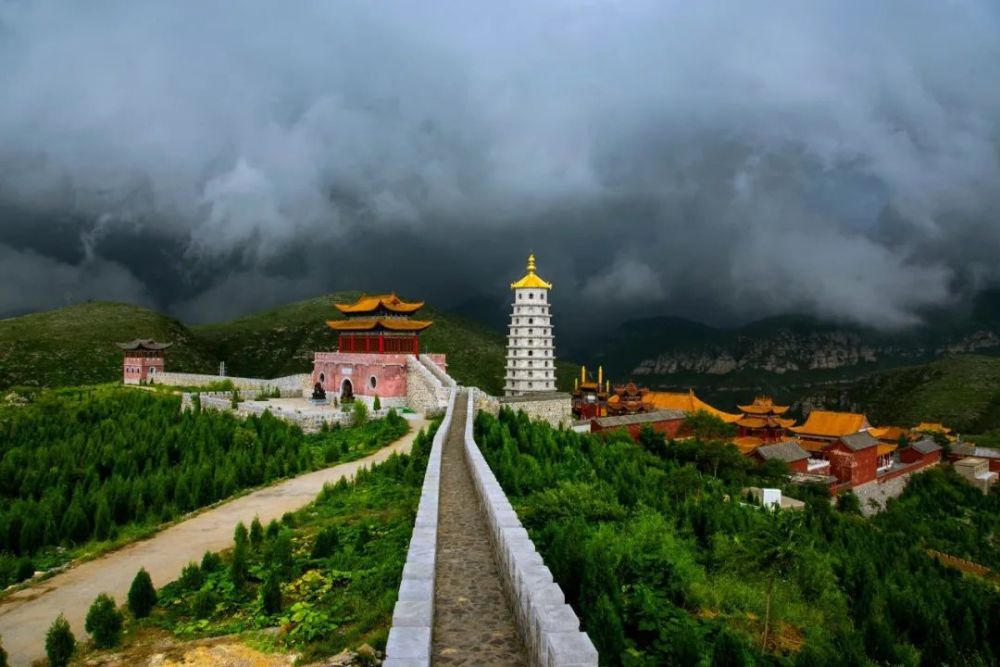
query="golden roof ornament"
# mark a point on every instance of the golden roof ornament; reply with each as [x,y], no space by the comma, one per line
[531,280]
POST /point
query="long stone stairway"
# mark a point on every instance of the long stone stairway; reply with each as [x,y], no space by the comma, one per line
[473,624]
[474,590]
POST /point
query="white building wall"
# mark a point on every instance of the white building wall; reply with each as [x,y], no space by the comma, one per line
[531,363]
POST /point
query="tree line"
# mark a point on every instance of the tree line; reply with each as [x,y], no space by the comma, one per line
[80,466]
[668,563]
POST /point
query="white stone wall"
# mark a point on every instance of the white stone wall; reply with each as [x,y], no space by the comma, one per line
[554,407]
[549,626]
[531,363]
[409,642]
[289,385]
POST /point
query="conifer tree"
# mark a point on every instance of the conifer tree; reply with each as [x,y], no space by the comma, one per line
[141,595]
[270,595]
[59,642]
[256,533]
[104,622]
[240,535]
[210,562]
[238,568]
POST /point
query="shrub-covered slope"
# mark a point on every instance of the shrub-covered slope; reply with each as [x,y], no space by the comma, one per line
[76,344]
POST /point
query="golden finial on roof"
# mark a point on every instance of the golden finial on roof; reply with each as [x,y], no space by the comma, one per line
[531,279]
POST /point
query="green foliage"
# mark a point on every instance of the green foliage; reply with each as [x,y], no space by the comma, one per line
[664,567]
[376,404]
[270,596]
[3,654]
[211,562]
[238,568]
[359,413]
[309,575]
[240,535]
[141,595]
[848,503]
[104,622]
[256,533]
[706,427]
[192,577]
[59,642]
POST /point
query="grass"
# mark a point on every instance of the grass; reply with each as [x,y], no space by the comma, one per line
[76,345]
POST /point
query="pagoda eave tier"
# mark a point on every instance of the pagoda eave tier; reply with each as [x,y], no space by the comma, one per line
[378,324]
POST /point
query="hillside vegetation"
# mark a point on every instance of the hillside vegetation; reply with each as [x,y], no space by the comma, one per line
[75,345]
[962,391]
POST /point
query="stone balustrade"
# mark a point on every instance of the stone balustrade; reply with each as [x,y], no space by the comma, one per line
[549,626]
[409,643]
[437,371]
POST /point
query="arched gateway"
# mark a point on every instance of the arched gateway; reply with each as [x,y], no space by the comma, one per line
[346,391]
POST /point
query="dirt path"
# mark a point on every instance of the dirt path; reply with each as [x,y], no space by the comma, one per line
[472,622]
[27,614]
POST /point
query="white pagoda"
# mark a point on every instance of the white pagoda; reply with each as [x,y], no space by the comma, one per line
[531,362]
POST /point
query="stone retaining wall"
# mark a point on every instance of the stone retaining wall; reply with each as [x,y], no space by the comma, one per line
[549,626]
[424,391]
[556,408]
[290,386]
[431,363]
[409,643]
[307,421]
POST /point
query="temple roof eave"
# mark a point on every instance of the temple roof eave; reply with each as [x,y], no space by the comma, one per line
[384,323]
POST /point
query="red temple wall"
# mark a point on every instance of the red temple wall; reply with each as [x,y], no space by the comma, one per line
[855,468]
[910,455]
[141,369]
[389,370]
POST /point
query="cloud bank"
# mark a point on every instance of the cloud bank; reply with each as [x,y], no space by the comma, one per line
[713,160]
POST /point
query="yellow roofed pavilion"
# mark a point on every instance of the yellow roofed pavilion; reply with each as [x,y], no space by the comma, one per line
[828,424]
[531,280]
[685,402]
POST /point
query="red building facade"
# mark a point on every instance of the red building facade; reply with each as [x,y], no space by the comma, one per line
[142,359]
[375,340]
[666,422]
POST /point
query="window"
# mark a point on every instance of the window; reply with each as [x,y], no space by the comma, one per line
[372,382]
[322,378]
[531,320]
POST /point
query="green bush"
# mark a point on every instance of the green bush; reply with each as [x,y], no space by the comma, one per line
[270,596]
[359,413]
[203,605]
[376,404]
[59,642]
[256,533]
[192,577]
[326,541]
[240,535]
[104,622]
[210,562]
[25,569]
[238,568]
[141,595]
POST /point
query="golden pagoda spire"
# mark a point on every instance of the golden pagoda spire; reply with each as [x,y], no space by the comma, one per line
[531,280]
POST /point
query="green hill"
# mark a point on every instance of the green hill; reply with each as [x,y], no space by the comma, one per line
[962,391]
[75,345]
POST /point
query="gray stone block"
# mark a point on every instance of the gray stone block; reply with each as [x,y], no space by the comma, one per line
[413,570]
[416,589]
[409,643]
[570,649]
[413,613]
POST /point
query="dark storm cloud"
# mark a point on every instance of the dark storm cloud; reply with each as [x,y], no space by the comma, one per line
[720,160]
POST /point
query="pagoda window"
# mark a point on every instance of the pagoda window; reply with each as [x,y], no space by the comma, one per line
[531,320]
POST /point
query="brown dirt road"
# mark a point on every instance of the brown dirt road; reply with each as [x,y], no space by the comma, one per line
[26,614]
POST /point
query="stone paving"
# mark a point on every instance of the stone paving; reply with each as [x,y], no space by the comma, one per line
[472,623]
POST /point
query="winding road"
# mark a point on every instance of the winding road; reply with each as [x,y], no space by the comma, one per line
[26,614]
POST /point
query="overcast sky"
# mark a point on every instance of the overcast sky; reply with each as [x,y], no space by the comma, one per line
[716,160]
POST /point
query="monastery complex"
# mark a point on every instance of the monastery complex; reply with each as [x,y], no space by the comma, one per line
[378,359]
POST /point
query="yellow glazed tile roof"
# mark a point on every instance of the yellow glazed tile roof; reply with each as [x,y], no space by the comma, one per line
[368,304]
[388,323]
[832,424]
[687,402]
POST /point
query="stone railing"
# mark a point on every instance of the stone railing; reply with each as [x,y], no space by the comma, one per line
[438,372]
[409,643]
[549,626]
